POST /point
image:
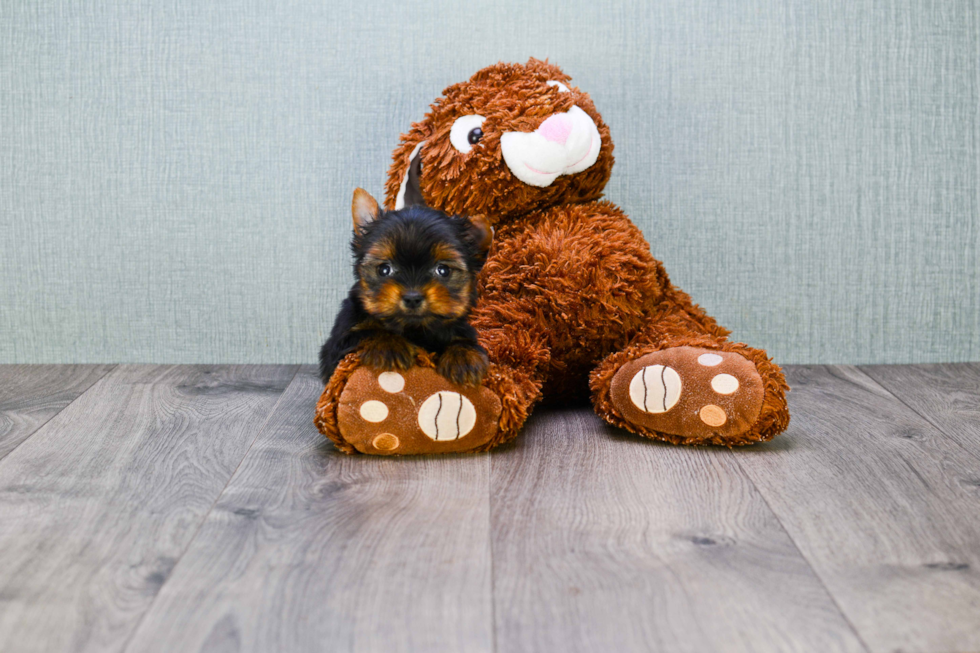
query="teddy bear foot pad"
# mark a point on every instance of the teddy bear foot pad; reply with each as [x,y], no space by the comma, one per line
[688,391]
[415,412]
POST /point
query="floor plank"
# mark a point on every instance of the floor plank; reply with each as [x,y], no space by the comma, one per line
[884,507]
[946,395]
[310,550]
[604,541]
[30,395]
[97,506]
[600,540]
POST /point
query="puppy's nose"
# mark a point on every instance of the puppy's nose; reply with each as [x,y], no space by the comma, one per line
[412,299]
[556,128]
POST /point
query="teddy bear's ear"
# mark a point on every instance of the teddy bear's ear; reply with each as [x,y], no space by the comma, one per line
[364,209]
[410,192]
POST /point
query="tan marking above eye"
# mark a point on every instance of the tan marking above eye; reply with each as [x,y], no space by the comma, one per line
[380,252]
[446,254]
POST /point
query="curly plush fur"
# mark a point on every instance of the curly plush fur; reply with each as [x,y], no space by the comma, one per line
[570,293]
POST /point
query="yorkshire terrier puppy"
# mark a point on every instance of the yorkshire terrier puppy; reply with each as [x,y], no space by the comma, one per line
[416,283]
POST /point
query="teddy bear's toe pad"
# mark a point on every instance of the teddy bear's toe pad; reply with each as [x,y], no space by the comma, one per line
[690,392]
[414,412]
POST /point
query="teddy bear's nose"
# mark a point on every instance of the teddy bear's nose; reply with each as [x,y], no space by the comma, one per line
[556,128]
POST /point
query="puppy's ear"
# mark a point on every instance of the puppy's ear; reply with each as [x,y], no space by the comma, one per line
[480,234]
[364,209]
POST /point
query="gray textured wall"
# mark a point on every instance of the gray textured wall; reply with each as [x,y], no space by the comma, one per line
[175,177]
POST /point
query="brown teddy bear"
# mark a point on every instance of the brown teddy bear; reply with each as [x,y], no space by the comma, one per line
[571,299]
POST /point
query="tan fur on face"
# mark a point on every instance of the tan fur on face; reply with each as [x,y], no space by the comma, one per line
[441,302]
[386,302]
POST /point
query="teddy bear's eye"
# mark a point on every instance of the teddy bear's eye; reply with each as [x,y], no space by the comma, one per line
[561,87]
[466,132]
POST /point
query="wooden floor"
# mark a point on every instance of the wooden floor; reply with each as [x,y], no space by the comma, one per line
[193,508]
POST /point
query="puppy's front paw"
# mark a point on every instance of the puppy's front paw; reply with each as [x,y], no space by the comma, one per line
[463,365]
[389,352]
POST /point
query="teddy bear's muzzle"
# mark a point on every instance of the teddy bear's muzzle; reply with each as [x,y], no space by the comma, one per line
[563,144]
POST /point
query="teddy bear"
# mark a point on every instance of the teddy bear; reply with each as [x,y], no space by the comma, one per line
[572,305]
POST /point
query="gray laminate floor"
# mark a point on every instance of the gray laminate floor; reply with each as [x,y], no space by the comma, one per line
[195,508]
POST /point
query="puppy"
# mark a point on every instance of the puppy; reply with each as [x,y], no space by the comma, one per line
[416,283]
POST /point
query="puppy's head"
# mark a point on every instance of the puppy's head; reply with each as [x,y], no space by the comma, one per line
[416,266]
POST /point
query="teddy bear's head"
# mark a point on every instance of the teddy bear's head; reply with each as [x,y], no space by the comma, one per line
[512,139]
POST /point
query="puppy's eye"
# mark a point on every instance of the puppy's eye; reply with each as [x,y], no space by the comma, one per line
[466,132]
[443,270]
[384,270]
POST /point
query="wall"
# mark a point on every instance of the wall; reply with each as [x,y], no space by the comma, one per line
[175,177]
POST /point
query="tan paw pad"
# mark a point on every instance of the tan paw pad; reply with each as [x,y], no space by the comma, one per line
[415,411]
[713,415]
[391,382]
[709,360]
[724,384]
[691,392]
[374,411]
[655,389]
[447,415]
[385,442]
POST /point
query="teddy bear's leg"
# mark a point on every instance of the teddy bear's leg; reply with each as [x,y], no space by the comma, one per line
[418,411]
[682,381]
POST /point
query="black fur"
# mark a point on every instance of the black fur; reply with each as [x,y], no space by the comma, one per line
[390,333]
